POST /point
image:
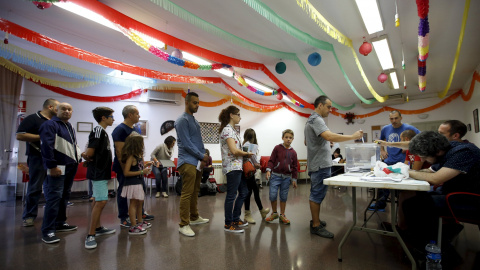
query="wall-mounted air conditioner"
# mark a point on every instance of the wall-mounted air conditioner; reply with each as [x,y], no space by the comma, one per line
[164,98]
[392,100]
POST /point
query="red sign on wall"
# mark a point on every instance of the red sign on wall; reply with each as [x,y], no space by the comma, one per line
[22,106]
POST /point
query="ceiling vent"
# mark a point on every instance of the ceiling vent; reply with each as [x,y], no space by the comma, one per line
[164,98]
[392,100]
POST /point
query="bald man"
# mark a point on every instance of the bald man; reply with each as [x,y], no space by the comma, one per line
[61,156]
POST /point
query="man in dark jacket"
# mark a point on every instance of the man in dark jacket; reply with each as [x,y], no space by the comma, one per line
[61,156]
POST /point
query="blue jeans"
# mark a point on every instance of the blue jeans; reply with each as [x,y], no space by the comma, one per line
[57,193]
[37,174]
[318,190]
[161,178]
[234,203]
[277,182]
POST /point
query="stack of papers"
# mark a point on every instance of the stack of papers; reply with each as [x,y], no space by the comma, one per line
[372,178]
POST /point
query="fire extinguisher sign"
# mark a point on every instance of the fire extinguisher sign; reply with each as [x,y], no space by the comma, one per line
[22,106]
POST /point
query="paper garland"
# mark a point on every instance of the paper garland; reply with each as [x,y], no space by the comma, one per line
[341,38]
[459,46]
[423,43]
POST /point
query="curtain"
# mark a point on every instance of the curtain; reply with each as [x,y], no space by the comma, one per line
[10,87]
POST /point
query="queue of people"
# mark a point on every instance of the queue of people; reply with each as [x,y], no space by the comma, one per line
[448,161]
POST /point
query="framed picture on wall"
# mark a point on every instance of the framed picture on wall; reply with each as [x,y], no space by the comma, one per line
[376,131]
[475,120]
[142,127]
[84,126]
[469,127]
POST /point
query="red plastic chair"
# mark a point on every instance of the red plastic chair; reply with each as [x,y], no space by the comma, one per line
[175,173]
[263,165]
[81,174]
[299,170]
[151,177]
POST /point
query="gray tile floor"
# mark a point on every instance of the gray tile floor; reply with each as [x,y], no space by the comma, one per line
[262,246]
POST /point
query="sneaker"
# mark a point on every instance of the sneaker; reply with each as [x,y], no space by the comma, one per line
[186,230]
[373,207]
[147,217]
[69,203]
[126,223]
[260,186]
[248,217]
[284,220]
[28,222]
[164,195]
[272,217]
[157,195]
[233,228]
[321,231]
[50,238]
[90,242]
[264,212]
[102,231]
[146,225]
[65,228]
[241,223]
[199,220]
[322,222]
[136,230]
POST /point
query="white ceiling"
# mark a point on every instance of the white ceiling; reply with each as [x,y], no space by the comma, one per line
[238,18]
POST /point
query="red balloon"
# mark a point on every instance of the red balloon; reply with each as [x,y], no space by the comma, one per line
[279,96]
[42,5]
[365,48]
[382,77]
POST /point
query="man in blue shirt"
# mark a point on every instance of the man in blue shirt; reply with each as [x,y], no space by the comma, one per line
[131,116]
[392,155]
[191,160]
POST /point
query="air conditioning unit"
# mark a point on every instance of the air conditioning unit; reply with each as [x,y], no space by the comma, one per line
[164,98]
[392,100]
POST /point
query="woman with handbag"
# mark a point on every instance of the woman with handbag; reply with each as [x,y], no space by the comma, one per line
[249,140]
[232,163]
[162,152]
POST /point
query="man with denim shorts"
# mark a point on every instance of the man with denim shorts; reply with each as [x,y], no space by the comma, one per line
[319,161]
[99,157]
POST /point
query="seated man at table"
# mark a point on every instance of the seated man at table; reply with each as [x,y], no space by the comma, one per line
[456,165]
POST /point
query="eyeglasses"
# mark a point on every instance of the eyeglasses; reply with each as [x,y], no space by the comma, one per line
[236,114]
[110,116]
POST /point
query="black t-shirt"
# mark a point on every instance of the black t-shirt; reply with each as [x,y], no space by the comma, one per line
[120,134]
[31,124]
[100,168]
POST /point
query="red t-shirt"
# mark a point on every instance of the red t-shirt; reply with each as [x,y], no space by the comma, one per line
[412,158]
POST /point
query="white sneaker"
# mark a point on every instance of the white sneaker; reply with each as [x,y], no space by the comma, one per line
[199,220]
[164,194]
[157,195]
[186,230]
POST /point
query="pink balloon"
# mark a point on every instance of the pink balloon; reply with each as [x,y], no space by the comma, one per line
[177,53]
[279,96]
[42,5]
[382,77]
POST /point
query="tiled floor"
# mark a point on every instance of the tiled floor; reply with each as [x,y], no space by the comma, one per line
[262,246]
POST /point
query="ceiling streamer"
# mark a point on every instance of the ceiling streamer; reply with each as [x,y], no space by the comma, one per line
[337,35]
[208,27]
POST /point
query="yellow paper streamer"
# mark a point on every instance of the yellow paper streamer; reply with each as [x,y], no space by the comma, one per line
[30,76]
[459,46]
[341,38]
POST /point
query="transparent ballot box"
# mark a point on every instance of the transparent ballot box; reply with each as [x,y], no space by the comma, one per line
[361,157]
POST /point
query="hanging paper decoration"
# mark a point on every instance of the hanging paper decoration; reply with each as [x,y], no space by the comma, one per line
[423,42]
[42,5]
[365,48]
[382,77]
[280,67]
[314,59]
[241,81]
[5,40]
[349,117]
[397,19]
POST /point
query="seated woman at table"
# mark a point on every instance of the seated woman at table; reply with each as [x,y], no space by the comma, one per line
[456,165]
[162,152]
[336,154]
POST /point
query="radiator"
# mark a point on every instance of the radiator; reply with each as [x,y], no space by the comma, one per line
[218,174]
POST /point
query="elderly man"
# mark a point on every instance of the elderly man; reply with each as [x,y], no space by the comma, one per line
[61,156]
[456,165]
[28,131]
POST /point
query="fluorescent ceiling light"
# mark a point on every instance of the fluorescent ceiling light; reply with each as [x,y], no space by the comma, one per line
[383,53]
[394,79]
[225,72]
[370,15]
[258,85]
[86,13]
